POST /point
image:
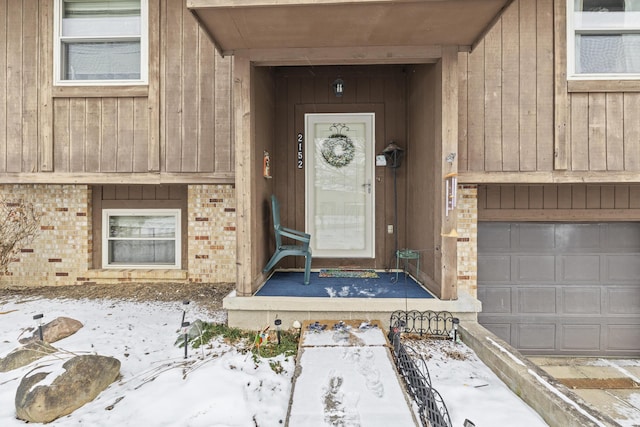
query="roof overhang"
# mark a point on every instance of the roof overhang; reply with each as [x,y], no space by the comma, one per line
[269,25]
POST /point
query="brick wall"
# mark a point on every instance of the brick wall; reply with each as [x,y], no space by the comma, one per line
[467,207]
[61,253]
[212,233]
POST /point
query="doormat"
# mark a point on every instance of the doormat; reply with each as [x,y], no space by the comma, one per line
[339,272]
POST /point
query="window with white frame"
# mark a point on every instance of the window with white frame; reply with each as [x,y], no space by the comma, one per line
[141,238]
[101,42]
[603,39]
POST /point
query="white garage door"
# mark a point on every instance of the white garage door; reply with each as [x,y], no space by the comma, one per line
[561,288]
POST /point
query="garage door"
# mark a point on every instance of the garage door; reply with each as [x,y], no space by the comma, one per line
[557,288]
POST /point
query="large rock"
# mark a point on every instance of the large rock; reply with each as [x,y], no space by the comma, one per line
[55,330]
[83,379]
[22,356]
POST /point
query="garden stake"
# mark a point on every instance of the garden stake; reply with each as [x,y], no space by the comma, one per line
[185,304]
[185,329]
[38,318]
[278,322]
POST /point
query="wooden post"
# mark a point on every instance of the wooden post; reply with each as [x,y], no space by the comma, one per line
[447,126]
[245,174]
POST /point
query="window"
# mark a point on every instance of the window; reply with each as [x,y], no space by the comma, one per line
[100,42]
[144,238]
[603,39]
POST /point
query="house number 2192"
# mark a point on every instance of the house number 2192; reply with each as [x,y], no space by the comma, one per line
[300,138]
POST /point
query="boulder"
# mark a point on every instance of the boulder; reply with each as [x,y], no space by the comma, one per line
[24,355]
[84,377]
[55,330]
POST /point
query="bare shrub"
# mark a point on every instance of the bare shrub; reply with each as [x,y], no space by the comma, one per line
[19,225]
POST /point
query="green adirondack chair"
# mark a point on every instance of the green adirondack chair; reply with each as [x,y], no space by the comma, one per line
[282,251]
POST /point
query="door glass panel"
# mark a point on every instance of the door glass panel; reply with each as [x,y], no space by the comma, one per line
[340,184]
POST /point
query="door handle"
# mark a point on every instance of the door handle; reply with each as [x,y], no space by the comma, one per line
[368,187]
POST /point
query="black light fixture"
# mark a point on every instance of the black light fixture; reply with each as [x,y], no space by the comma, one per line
[338,87]
[38,319]
[455,322]
[278,323]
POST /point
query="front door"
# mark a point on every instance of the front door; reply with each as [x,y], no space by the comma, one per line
[339,184]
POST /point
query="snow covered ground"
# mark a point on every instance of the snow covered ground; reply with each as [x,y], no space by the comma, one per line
[218,385]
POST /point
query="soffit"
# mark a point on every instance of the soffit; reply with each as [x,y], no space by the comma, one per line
[280,24]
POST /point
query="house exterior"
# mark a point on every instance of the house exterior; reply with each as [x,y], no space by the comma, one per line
[153,133]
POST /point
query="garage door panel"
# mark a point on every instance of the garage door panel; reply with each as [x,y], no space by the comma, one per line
[536,300]
[580,268]
[501,330]
[495,237]
[575,290]
[536,237]
[623,300]
[532,336]
[623,236]
[537,268]
[623,338]
[577,237]
[623,268]
[496,268]
[498,299]
[578,338]
[581,300]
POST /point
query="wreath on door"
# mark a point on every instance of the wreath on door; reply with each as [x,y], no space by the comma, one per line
[338,149]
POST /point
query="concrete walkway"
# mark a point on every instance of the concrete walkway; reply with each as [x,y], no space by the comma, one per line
[346,376]
[611,386]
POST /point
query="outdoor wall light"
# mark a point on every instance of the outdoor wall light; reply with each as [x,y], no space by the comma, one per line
[185,331]
[338,87]
[455,322]
[278,324]
[38,319]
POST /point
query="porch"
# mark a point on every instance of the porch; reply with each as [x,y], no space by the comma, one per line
[343,299]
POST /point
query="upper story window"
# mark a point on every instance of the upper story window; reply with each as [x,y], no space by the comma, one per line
[100,42]
[603,39]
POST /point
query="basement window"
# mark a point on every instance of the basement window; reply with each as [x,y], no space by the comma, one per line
[100,42]
[142,238]
[603,39]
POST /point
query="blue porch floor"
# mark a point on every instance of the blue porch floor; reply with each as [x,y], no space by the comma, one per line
[287,283]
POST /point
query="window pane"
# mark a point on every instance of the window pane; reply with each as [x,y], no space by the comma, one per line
[102,27]
[97,8]
[132,252]
[142,227]
[102,61]
[599,5]
[608,53]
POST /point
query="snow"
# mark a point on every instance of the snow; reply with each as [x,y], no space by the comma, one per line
[221,386]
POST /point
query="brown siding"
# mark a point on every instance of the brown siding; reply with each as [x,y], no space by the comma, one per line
[377,88]
[506,93]
[180,123]
[570,202]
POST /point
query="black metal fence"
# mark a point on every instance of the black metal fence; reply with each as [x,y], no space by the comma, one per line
[432,410]
[430,323]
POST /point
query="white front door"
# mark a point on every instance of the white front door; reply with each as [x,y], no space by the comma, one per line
[339,184]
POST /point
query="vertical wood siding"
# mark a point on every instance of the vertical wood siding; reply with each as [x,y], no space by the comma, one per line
[506,93]
[115,133]
[567,202]
[195,94]
[506,97]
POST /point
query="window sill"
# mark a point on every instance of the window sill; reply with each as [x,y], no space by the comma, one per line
[603,85]
[137,274]
[139,91]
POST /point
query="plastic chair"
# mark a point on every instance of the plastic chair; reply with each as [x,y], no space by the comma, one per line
[282,251]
